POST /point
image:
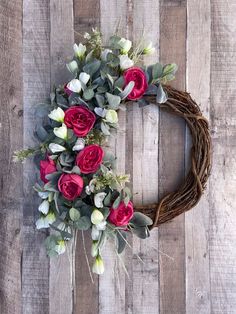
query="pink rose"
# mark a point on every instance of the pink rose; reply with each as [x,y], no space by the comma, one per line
[70,185]
[80,119]
[47,166]
[140,82]
[90,158]
[121,215]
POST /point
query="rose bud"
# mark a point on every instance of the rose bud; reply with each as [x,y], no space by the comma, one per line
[98,266]
[121,215]
[56,148]
[111,116]
[70,185]
[46,167]
[79,50]
[90,158]
[138,76]
[57,115]
[73,86]
[61,132]
[148,49]
[44,207]
[84,77]
[125,62]
[97,217]
[80,119]
[125,45]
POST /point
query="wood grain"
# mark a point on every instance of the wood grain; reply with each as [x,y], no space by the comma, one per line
[171,164]
[197,220]
[86,16]
[223,179]
[11,127]
[36,87]
[61,43]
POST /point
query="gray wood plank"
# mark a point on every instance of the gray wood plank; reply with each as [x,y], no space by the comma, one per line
[197,220]
[11,139]
[61,43]
[36,87]
[171,164]
[86,16]
[223,178]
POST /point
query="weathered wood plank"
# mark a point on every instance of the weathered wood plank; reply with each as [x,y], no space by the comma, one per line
[112,283]
[11,139]
[145,150]
[36,87]
[171,164]
[86,16]
[61,41]
[197,220]
[223,179]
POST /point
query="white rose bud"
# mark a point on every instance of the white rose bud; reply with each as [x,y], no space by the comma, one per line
[95,234]
[125,62]
[79,50]
[56,148]
[61,132]
[57,115]
[97,217]
[44,207]
[102,225]
[84,77]
[104,54]
[60,247]
[98,266]
[74,86]
[79,144]
[125,45]
[111,116]
[98,199]
[44,222]
[148,49]
[72,66]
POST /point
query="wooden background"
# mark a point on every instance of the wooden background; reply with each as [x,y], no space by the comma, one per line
[189,264]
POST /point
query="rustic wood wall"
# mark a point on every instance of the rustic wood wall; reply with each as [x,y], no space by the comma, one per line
[189,264]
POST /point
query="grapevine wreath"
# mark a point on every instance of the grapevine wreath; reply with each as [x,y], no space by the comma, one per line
[79,189]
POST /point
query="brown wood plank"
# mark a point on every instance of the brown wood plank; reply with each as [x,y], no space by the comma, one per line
[223,178]
[11,139]
[61,47]
[86,16]
[171,164]
[197,220]
[36,87]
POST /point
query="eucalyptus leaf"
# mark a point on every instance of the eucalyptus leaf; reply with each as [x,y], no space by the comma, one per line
[92,67]
[100,100]
[100,112]
[161,96]
[121,241]
[117,202]
[83,223]
[128,89]
[88,94]
[74,214]
[157,70]
[141,232]
[41,133]
[105,128]
[141,220]
[113,100]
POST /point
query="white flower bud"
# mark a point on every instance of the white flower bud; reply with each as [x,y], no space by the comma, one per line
[79,50]
[101,226]
[74,86]
[98,266]
[44,222]
[98,199]
[61,132]
[111,116]
[72,66]
[44,207]
[125,62]
[84,77]
[148,49]
[56,148]
[97,217]
[95,234]
[60,247]
[43,195]
[57,115]
[104,54]
[79,144]
[125,45]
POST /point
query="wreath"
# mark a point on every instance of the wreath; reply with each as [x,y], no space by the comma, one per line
[79,188]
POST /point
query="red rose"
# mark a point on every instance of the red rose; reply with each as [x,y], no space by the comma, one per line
[80,119]
[90,158]
[47,166]
[121,215]
[70,185]
[140,82]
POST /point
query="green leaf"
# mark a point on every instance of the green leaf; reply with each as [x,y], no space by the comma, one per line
[41,133]
[76,170]
[161,95]
[50,187]
[74,214]
[88,94]
[100,100]
[84,223]
[105,128]
[120,82]
[117,202]
[157,70]
[92,67]
[127,90]
[141,220]
[170,69]
[121,241]
[113,100]
[141,232]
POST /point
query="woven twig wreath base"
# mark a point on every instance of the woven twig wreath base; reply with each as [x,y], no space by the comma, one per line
[189,193]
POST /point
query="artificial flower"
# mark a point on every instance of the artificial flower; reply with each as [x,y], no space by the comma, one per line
[98,266]
[90,158]
[60,247]
[125,45]
[61,132]
[79,144]
[84,77]
[79,50]
[111,116]
[98,199]
[44,207]
[45,222]
[121,215]
[56,148]
[138,76]
[47,166]
[74,86]
[125,62]
[70,185]
[148,49]
[57,114]
[96,217]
